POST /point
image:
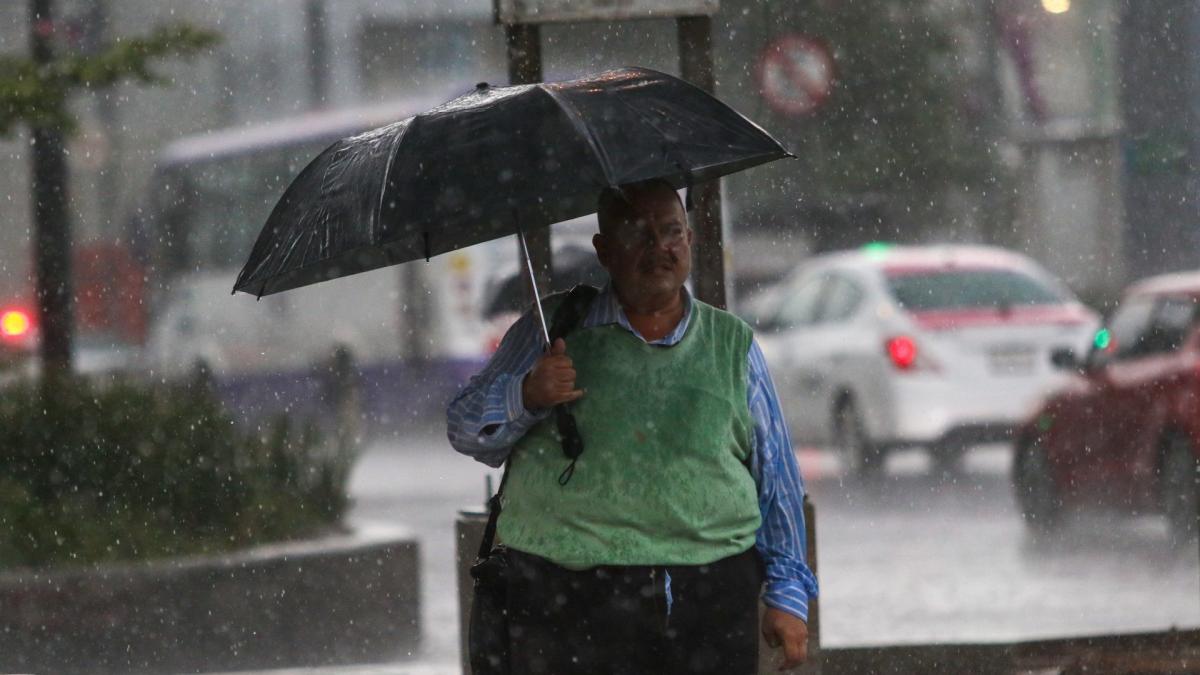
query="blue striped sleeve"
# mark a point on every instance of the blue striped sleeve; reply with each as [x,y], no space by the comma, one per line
[781,539]
[488,415]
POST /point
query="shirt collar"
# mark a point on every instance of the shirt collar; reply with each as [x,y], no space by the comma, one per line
[606,309]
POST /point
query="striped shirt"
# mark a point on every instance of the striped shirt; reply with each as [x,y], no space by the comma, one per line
[488,417]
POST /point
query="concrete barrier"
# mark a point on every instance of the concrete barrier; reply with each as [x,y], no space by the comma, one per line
[349,598]
[1164,653]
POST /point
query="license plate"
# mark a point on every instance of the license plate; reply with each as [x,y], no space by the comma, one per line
[1012,359]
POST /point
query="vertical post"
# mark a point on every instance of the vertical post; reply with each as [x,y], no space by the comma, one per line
[525,67]
[813,665]
[52,230]
[997,206]
[468,532]
[96,32]
[318,52]
[770,660]
[696,66]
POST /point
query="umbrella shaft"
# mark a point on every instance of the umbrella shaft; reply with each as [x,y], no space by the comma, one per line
[537,298]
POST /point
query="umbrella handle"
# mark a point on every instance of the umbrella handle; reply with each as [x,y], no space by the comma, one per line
[572,441]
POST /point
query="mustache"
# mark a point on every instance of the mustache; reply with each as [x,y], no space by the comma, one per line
[670,259]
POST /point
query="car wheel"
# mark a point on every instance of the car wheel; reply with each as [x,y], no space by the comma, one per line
[1181,490]
[862,456]
[1037,494]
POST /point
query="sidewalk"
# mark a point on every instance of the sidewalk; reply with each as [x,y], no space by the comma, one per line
[408,668]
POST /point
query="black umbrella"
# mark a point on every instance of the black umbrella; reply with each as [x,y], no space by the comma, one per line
[494,162]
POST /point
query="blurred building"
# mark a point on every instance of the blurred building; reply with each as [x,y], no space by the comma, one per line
[277,58]
[1160,92]
[1042,94]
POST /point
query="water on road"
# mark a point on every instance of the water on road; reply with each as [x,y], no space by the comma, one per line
[918,558]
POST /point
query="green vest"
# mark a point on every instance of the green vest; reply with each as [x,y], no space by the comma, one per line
[664,475]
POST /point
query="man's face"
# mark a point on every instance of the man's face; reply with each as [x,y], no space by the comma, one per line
[649,251]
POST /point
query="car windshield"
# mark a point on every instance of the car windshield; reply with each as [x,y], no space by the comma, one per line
[968,289]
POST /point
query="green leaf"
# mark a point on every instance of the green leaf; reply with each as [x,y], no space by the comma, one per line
[36,96]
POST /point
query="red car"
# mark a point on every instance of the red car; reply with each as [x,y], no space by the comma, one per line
[1124,433]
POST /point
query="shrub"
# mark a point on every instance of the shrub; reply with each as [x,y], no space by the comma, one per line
[93,472]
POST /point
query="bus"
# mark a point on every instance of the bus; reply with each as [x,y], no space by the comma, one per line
[413,332]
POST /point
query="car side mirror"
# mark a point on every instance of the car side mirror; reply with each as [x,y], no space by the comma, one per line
[1064,358]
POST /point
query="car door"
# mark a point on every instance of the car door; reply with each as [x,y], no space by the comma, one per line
[1115,371]
[1144,383]
[838,349]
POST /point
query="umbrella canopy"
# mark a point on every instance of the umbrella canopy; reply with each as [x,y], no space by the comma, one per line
[494,162]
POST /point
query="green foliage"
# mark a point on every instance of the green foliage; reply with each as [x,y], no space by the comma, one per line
[897,119]
[122,471]
[37,95]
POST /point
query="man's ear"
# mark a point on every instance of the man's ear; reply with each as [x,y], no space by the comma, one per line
[600,243]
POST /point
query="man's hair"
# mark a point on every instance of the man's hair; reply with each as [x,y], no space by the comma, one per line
[616,205]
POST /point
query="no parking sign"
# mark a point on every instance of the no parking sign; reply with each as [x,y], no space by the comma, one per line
[795,74]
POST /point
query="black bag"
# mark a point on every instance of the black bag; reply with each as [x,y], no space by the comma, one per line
[488,628]
[487,639]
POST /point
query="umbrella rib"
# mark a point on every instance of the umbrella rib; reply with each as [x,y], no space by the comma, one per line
[723,104]
[387,172]
[347,254]
[580,125]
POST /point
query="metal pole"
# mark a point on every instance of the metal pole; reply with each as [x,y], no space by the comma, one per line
[533,282]
[696,66]
[52,228]
[525,67]
[770,660]
[318,52]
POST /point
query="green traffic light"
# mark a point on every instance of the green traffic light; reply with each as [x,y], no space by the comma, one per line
[1103,339]
[876,249]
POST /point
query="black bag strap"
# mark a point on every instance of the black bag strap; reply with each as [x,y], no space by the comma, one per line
[572,311]
[567,318]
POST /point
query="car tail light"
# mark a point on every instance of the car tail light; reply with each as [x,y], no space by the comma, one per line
[15,324]
[902,351]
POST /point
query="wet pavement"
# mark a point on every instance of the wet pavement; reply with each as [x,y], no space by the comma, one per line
[947,559]
[919,558]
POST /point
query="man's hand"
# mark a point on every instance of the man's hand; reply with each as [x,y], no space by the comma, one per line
[781,628]
[552,380]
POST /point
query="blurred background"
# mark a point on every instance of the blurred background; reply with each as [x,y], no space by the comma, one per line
[1058,138]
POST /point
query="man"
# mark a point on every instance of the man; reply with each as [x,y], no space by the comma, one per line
[651,557]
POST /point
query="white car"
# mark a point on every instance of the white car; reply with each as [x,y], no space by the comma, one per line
[942,347]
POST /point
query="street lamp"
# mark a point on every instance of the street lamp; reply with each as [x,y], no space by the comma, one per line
[1056,6]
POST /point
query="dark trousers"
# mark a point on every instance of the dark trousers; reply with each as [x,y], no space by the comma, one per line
[617,620]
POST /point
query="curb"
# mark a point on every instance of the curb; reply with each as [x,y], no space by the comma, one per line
[348,598]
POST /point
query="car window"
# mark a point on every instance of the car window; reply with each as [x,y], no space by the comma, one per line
[941,289]
[1169,325]
[1125,333]
[842,297]
[799,308]
[761,308]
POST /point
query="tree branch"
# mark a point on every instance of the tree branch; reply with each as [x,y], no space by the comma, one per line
[37,97]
